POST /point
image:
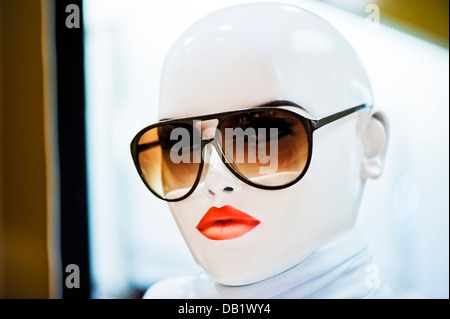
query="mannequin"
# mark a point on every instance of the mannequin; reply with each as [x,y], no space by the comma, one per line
[243,57]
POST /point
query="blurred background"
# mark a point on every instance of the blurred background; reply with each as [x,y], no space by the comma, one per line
[72,96]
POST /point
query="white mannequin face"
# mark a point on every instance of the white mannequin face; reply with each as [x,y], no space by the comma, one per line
[235,59]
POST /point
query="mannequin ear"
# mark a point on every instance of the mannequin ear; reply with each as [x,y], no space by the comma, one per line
[374,143]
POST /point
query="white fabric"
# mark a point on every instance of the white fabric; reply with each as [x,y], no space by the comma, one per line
[340,269]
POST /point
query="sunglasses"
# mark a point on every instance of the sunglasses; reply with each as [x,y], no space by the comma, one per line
[266,147]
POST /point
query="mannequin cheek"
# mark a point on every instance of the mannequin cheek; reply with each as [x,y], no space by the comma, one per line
[187,213]
[333,179]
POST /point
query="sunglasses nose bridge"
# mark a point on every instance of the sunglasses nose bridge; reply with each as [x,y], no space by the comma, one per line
[207,128]
[208,146]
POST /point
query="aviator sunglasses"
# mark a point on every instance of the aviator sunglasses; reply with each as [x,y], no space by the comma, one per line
[170,155]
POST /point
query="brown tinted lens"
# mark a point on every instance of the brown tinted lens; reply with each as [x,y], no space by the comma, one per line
[169,159]
[268,147]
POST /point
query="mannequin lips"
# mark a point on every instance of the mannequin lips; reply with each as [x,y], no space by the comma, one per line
[225,223]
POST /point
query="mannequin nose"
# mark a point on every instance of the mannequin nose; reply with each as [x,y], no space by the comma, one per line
[218,179]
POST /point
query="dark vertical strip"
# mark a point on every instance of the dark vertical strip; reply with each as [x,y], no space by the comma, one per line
[72,148]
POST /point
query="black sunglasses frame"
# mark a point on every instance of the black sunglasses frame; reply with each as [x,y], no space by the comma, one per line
[310,126]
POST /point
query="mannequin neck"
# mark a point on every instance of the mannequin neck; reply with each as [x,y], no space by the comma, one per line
[341,269]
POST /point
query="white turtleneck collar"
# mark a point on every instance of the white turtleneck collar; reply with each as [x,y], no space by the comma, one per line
[340,269]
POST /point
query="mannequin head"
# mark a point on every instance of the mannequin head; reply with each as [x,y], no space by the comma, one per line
[249,55]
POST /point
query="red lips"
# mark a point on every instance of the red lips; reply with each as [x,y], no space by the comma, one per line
[225,223]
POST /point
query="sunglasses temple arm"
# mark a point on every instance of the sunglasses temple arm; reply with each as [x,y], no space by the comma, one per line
[326,120]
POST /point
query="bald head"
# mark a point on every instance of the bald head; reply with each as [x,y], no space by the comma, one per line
[247,55]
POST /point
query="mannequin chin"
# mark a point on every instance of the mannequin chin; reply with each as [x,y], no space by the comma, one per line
[224,63]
